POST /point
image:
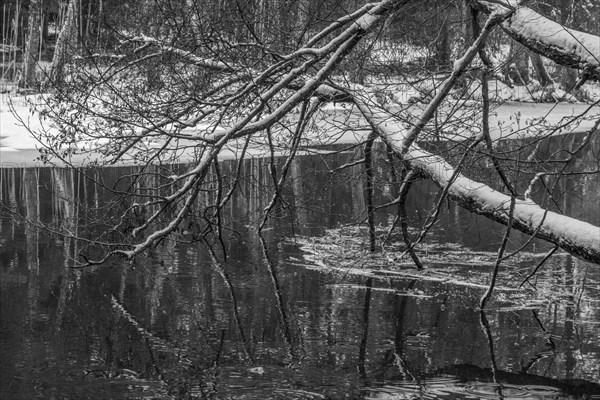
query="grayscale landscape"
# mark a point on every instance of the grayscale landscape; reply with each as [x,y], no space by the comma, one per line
[300,199]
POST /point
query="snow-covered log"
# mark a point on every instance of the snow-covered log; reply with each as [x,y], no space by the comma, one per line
[552,40]
[572,235]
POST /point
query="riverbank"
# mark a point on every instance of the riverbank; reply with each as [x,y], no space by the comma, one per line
[510,120]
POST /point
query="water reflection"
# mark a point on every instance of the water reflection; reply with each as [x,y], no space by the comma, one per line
[184,322]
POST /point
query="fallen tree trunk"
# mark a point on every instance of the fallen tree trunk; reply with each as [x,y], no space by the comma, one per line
[576,237]
[572,235]
[565,46]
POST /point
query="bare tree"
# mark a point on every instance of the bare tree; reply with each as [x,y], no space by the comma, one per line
[219,95]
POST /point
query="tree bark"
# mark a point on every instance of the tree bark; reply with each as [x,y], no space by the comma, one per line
[442,42]
[517,68]
[66,41]
[565,46]
[540,70]
[567,76]
[32,46]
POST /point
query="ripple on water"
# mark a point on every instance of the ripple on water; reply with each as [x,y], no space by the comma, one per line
[448,387]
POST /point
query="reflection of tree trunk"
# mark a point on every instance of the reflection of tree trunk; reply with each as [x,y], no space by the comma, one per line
[155,290]
[297,187]
[234,303]
[32,205]
[362,350]
[569,284]
[64,190]
[285,325]
[485,325]
[399,333]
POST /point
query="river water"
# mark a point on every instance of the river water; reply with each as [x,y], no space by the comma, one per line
[289,315]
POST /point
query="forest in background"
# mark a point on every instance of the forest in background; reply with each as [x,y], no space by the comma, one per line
[423,39]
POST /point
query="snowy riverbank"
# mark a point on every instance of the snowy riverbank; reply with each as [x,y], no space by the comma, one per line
[508,120]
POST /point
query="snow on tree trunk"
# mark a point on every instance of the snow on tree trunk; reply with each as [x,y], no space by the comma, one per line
[67,39]
[567,76]
[564,46]
[576,237]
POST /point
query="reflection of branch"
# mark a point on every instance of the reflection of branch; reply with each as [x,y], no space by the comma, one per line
[285,328]
[490,289]
[541,355]
[185,361]
[221,271]
[485,326]
[535,270]
[145,333]
[399,332]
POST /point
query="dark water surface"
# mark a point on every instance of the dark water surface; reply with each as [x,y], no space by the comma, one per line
[270,322]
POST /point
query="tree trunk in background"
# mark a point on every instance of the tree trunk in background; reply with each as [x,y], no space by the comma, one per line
[442,42]
[192,11]
[302,16]
[466,35]
[567,76]
[517,66]
[32,47]
[357,60]
[466,23]
[67,39]
[99,27]
[540,70]
[260,15]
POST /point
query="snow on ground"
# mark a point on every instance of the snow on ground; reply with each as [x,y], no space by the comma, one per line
[14,117]
[507,120]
